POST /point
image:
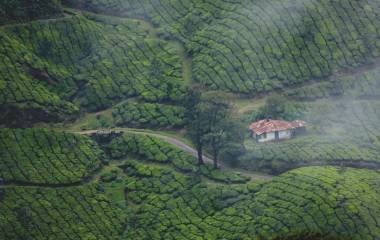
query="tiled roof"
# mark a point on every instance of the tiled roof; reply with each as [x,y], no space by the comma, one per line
[267,125]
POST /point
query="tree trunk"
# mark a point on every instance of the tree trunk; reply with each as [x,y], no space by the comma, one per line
[214,153]
[215,160]
[200,155]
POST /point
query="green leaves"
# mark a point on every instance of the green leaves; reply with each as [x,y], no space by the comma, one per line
[23,10]
[136,114]
[40,213]
[41,156]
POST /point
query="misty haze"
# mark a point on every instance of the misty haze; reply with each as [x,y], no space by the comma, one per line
[190,119]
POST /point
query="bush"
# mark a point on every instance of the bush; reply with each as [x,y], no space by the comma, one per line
[155,115]
[26,10]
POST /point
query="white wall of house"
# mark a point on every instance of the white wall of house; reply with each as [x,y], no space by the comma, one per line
[267,137]
[287,134]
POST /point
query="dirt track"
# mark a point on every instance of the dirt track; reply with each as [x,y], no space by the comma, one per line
[185,147]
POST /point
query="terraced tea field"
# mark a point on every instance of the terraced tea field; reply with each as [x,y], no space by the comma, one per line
[94,125]
[163,200]
[252,46]
[84,61]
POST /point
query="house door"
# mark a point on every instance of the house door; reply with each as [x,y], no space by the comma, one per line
[276,135]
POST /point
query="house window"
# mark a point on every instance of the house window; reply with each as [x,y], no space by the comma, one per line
[264,135]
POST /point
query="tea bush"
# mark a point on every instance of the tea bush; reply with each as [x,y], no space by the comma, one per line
[42,156]
[154,115]
[155,150]
[252,47]
[68,213]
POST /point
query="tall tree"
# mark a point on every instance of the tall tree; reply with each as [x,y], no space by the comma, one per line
[216,108]
[196,123]
[208,124]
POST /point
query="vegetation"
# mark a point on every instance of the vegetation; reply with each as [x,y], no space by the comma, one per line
[42,156]
[68,213]
[171,206]
[155,150]
[338,132]
[167,64]
[254,46]
[26,10]
[135,114]
[277,107]
[209,123]
[361,85]
[84,60]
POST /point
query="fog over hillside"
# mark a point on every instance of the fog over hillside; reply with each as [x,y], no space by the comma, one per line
[190,119]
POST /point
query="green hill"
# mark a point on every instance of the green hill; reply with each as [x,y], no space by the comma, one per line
[253,46]
[278,209]
[84,61]
[343,126]
[25,10]
[122,72]
[41,156]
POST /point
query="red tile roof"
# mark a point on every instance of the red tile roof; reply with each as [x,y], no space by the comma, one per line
[266,126]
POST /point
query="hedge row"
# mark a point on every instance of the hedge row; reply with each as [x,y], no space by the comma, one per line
[88,60]
[25,10]
[155,150]
[155,115]
[42,156]
[250,46]
[308,202]
[362,85]
[69,213]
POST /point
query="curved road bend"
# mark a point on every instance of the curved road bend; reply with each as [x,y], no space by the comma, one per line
[185,147]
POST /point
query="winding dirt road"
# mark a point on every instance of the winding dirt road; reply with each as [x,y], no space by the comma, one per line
[185,147]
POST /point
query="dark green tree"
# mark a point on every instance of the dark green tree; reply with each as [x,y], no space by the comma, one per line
[210,123]
[197,125]
[215,107]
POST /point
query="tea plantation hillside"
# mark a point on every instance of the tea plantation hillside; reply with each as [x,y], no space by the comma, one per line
[52,69]
[308,202]
[68,213]
[150,198]
[343,117]
[25,10]
[41,156]
[101,117]
[254,46]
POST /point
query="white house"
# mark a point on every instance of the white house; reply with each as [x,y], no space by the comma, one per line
[275,130]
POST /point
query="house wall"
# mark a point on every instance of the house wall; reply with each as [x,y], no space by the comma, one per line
[270,137]
[285,134]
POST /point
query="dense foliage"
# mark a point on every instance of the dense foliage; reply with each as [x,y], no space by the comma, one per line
[250,46]
[153,149]
[88,60]
[363,84]
[57,185]
[44,156]
[26,10]
[154,115]
[305,202]
[68,213]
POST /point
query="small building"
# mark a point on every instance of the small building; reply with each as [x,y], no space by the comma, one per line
[268,130]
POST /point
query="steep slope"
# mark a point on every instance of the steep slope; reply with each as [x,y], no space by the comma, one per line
[84,61]
[152,192]
[319,203]
[254,46]
[42,156]
[25,10]
[70,213]
[343,116]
